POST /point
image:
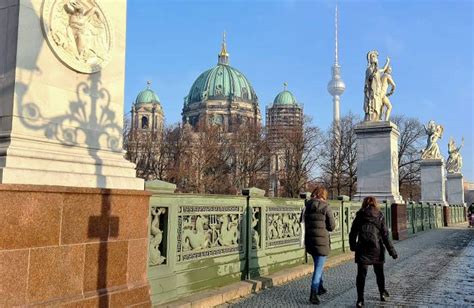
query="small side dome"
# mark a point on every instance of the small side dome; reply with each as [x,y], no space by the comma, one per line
[285,98]
[147,96]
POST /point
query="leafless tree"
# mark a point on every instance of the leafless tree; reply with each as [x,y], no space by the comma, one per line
[339,157]
[349,152]
[250,155]
[299,154]
[409,148]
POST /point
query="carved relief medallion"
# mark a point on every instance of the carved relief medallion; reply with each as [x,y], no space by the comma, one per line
[78,32]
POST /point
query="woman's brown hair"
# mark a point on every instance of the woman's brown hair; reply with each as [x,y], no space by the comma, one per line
[370,202]
[320,193]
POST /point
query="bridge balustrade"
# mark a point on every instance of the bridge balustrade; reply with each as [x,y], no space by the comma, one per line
[199,242]
[423,216]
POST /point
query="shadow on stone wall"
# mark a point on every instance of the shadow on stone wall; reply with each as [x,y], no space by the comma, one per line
[88,120]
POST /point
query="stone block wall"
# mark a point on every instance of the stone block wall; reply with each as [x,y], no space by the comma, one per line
[62,246]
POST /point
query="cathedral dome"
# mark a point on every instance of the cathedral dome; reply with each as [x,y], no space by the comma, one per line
[221,82]
[147,96]
[285,98]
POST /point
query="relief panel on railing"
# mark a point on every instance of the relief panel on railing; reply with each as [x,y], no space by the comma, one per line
[283,226]
[208,231]
[256,227]
[157,245]
[337,220]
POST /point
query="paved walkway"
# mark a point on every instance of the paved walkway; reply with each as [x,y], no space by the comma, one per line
[435,268]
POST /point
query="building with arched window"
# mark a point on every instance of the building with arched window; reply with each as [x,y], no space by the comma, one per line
[221,95]
[144,140]
[284,121]
[147,114]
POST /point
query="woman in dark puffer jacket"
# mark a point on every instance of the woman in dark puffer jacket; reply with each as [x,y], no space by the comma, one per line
[319,221]
[367,238]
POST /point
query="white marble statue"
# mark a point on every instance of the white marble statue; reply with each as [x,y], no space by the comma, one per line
[454,162]
[434,132]
[373,87]
[386,82]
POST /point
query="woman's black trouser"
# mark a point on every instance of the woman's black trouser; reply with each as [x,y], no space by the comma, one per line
[362,273]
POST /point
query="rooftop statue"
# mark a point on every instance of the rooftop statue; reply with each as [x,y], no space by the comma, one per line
[434,132]
[454,163]
[373,94]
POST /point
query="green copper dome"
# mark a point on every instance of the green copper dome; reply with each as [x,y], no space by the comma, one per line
[286,98]
[221,82]
[147,96]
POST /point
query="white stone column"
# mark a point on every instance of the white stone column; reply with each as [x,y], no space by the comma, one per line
[433,181]
[455,188]
[61,105]
[377,161]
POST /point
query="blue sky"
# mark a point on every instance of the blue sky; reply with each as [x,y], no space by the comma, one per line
[430,44]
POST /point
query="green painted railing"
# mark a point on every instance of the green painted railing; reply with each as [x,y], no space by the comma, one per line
[200,242]
[457,213]
[425,216]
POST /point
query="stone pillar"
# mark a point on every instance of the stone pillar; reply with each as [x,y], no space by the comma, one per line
[399,221]
[446,216]
[455,188]
[69,236]
[61,114]
[433,181]
[377,161]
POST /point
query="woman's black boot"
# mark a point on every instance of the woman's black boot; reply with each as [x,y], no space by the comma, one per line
[360,303]
[384,296]
[314,298]
[322,290]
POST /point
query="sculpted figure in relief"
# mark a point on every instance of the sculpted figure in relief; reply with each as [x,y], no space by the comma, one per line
[373,87]
[229,232]
[386,82]
[255,235]
[454,163]
[434,132]
[156,237]
[195,235]
[79,33]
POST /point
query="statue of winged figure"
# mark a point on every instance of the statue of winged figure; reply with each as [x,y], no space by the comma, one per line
[454,162]
[434,132]
[80,29]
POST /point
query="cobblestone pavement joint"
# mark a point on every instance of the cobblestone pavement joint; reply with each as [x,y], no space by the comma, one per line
[434,268]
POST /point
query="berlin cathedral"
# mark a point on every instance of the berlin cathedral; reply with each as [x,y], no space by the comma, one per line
[223,96]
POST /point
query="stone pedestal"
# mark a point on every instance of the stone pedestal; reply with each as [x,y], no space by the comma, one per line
[73,247]
[377,161]
[433,181]
[61,113]
[455,188]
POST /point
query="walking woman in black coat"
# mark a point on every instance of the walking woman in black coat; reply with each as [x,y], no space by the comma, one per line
[319,221]
[367,238]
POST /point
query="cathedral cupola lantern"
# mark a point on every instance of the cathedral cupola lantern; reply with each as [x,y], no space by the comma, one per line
[223,57]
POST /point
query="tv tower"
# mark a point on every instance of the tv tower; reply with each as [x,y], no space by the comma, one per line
[336,86]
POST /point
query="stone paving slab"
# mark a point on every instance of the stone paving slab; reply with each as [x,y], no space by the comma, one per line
[435,268]
[219,297]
